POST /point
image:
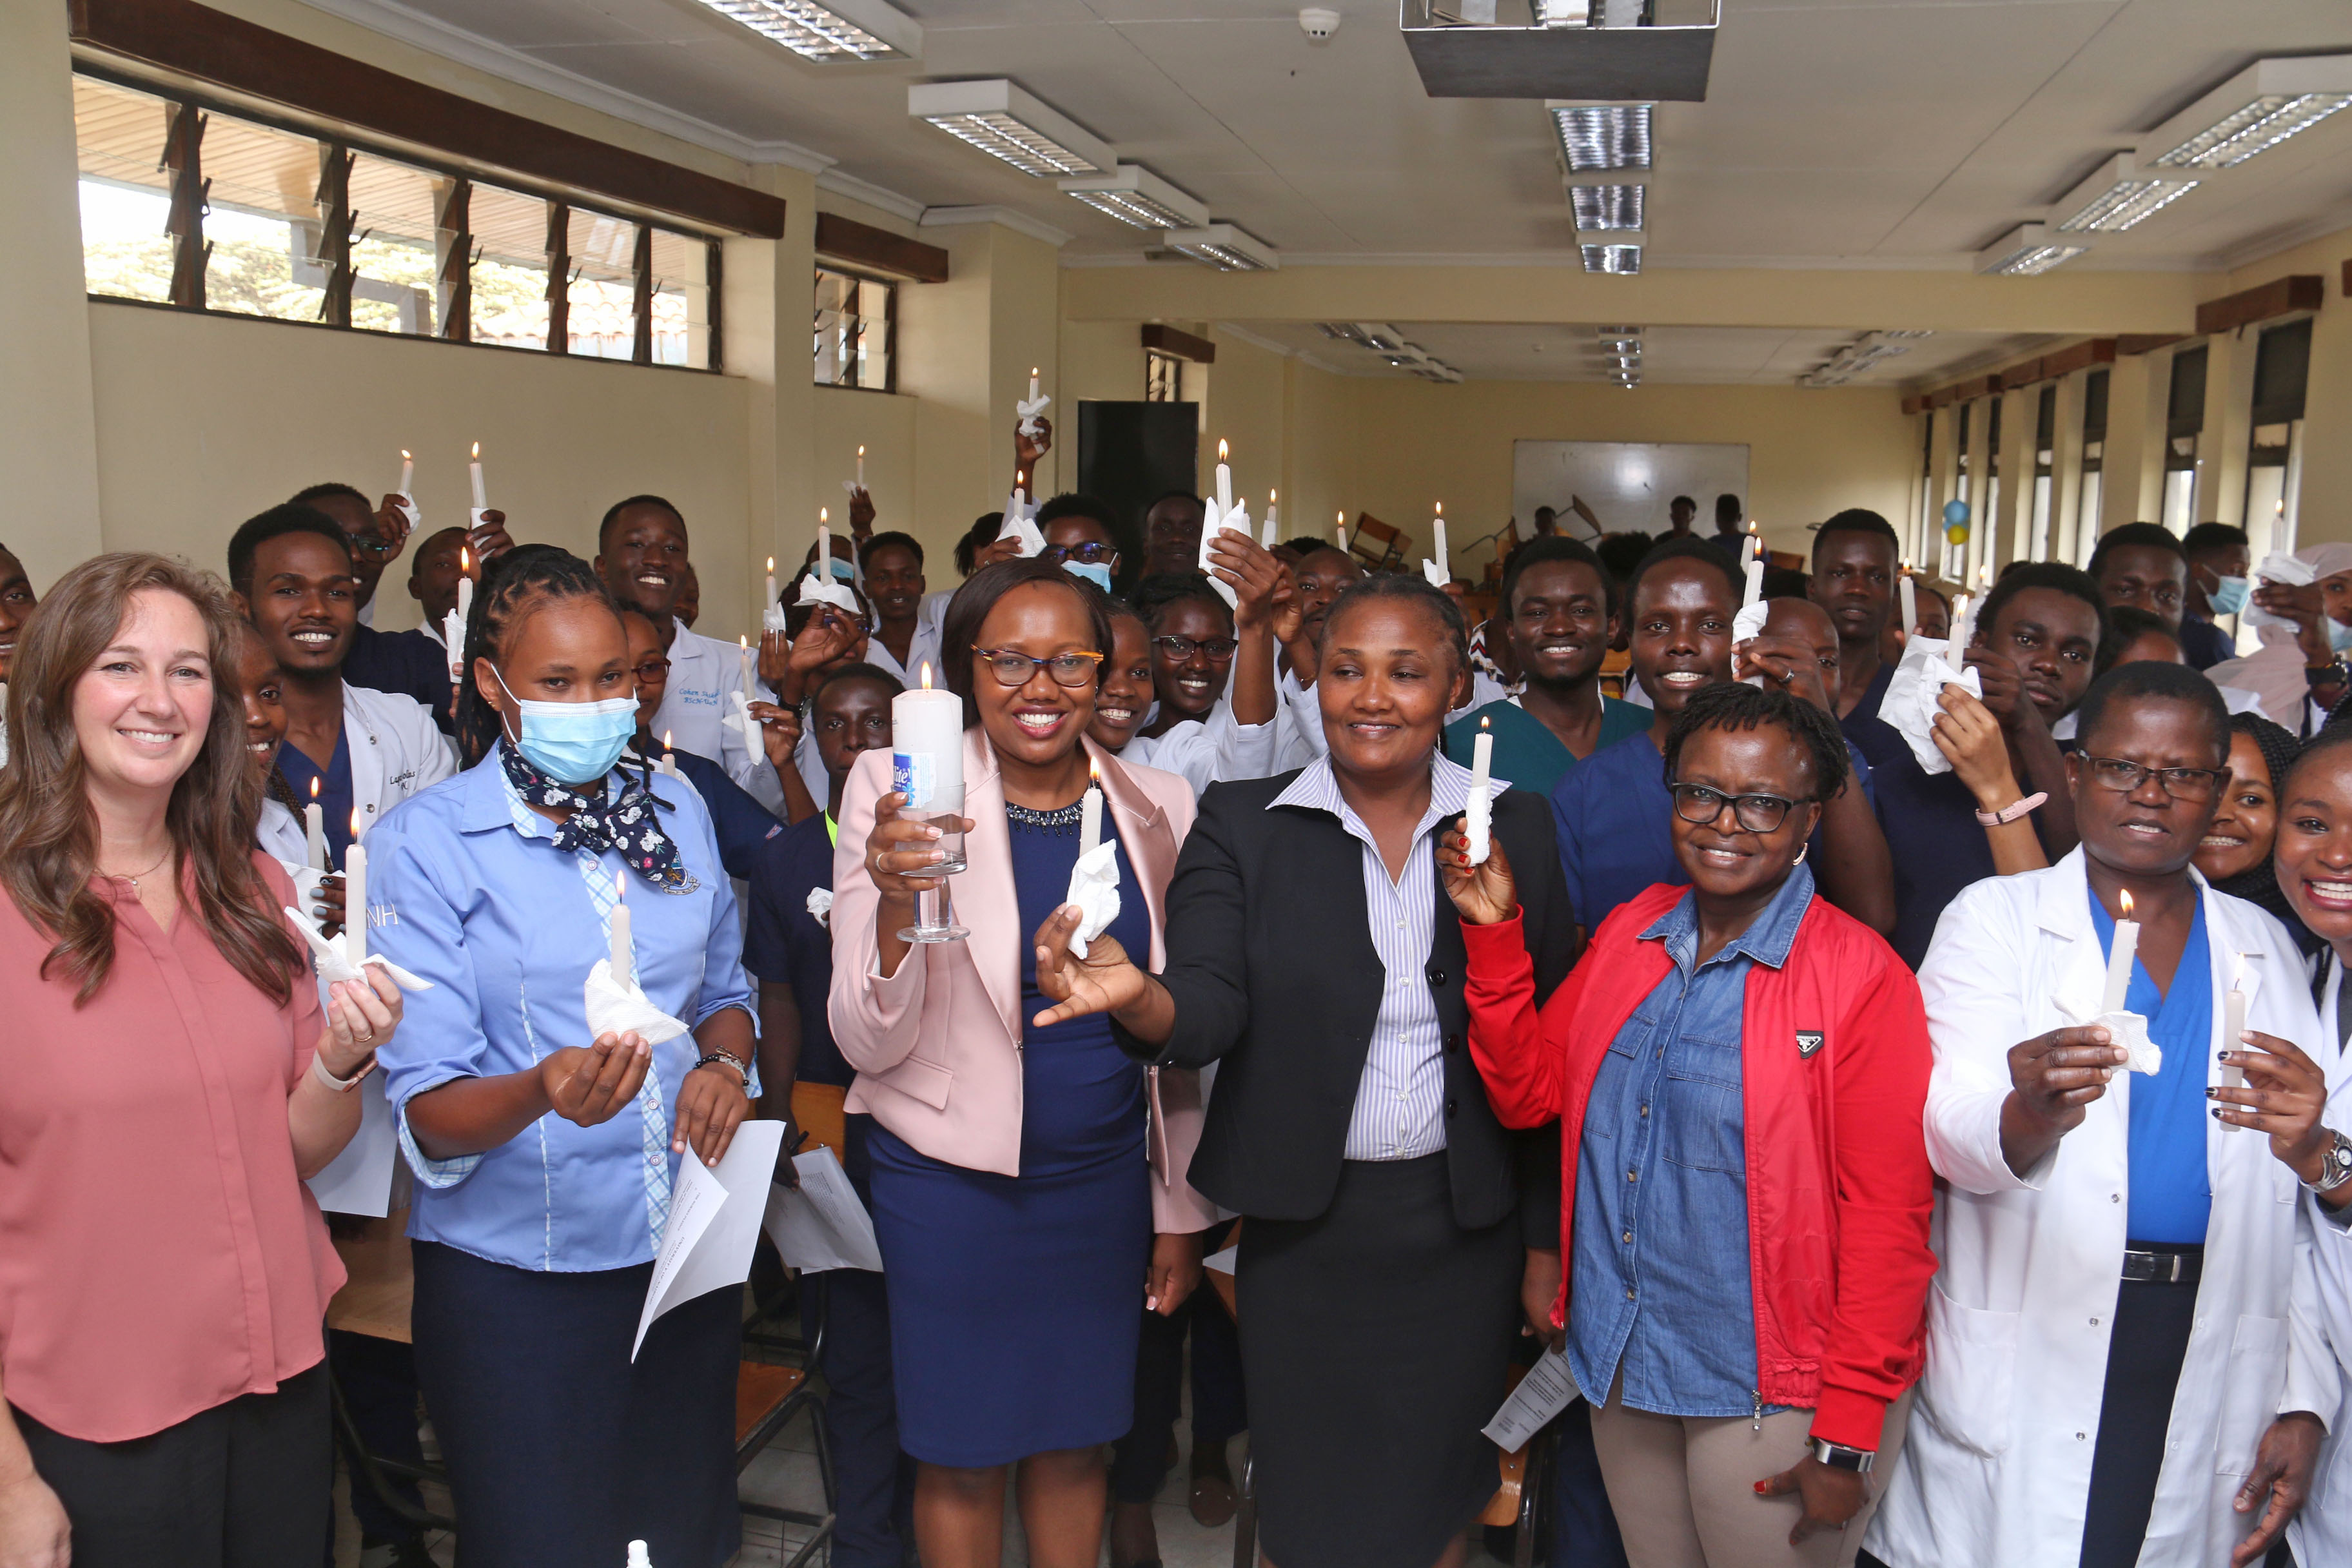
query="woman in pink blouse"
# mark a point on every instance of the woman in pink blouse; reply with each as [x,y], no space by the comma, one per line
[169,1083]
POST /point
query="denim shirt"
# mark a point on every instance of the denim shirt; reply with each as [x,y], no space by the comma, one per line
[1661,1289]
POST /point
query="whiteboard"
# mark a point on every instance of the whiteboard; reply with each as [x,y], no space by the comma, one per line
[1627,484]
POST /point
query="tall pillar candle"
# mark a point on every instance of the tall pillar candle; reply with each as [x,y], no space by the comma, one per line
[927,747]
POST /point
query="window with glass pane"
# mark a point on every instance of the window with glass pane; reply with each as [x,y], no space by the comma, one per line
[599,286]
[395,262]
[125,191]
[680,292]
[509,268]
[262,225]
[853,331]
[1163,378]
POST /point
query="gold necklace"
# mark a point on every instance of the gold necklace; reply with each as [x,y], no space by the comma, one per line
[146,871]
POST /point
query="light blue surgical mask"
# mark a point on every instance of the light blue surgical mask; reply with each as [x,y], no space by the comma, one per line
[1092,570]
[573,742]
[2228,595]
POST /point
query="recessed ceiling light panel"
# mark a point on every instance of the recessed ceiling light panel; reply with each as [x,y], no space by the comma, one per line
[1223,246]
[1605,207]
[1601,135]
[1134,195]
[1620,258]
[2026,251]
[2251,112]
[2117,196]
[1005,123]
[839,31]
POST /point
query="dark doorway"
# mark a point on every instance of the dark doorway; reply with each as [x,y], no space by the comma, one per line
[1131,454]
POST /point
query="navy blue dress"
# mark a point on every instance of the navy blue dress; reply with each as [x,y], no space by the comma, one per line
[1015,1301]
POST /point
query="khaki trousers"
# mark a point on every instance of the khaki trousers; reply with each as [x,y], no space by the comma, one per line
[1684,1488]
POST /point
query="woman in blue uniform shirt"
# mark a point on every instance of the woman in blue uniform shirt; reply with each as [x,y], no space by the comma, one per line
[544,1157]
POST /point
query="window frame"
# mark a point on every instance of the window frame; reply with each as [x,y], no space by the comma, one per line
[192,108]
[889,320]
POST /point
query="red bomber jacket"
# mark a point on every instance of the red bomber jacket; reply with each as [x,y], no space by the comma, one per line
[1833,1064]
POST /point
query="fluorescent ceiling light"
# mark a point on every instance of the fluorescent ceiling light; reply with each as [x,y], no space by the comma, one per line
[2251,112]
[2024,251]
[1855,358]
[1605,207]
[1601,135]
[1005,123]
[2118,194]
[1625,258]
[838,30]
[1134,195]
[1224,248]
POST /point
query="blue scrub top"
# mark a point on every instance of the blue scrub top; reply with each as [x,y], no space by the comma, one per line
[2171,1189]
[467,889]
[334,798]
[783,944]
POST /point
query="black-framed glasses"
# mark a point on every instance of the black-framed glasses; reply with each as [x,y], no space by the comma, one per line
[1183,648]
[2182,783]
[1015,668]
[653,669]
[1755,813]
[1087,554]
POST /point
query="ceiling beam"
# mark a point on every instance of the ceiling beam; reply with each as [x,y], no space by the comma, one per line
[2073,304]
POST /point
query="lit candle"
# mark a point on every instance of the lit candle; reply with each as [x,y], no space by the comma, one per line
[1746,552]
[2233,1025]
[1445,557]
[624,950]
[1910,600]
[750,668]
[2120,953]
[481,498]
[861,463]
[668,763]
[1224,485]
[407,471]
[314,830]
[355,895]
[1956,648]
[824,546]
[1343,534]
[1032,384]
[453,625]
[1755,570]
[1090,811]
[1481,813]
[771,580]
[1271,497]
[927,747]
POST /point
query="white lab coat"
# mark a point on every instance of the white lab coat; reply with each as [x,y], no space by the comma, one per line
[702,671]
[2322,1532]
[1996,1466]
[396,749]
[1213,751]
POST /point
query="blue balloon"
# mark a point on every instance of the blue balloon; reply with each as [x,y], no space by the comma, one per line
[1956,512]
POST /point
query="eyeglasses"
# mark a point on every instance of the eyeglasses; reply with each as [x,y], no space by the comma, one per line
[653,669]
[1755,813]
[1183,648]
[1015,668]
[1088,555]
[2180,784]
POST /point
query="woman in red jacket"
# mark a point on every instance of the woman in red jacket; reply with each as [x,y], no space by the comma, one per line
[1740,1071]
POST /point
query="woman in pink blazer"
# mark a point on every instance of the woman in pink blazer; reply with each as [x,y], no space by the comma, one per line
[1028,1183]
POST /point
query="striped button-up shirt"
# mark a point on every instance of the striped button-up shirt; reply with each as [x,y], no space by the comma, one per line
[1401,1103]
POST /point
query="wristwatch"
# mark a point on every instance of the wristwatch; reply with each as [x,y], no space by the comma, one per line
[1838,1456]
[2336,1168]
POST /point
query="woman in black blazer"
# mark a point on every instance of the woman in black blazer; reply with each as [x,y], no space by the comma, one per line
[1312,953]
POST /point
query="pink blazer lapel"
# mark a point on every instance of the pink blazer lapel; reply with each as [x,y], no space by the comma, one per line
[986,903]
[1147,841]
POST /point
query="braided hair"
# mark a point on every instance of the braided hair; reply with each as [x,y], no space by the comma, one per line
[513,584]
[1734,705]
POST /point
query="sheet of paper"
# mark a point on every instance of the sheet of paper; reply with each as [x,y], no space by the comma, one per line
[1548,1389]
[360,1180]
[714,1222]
[1223,1262]
[821,1225]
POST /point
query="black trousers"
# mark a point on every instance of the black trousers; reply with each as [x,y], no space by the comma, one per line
[378,1378]
[1140,1460]
[247,1484]
[2144,1357]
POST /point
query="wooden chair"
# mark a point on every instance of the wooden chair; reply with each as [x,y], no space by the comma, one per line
[767,1396]
[1375,545]
[1519,1496]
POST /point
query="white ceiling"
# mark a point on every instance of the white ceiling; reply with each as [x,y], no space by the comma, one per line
[1892,133]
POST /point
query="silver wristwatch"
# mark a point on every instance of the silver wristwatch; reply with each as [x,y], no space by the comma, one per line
[2335,1169]
[1838,1456]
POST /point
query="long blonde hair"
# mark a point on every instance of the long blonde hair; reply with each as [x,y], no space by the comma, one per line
[48,833]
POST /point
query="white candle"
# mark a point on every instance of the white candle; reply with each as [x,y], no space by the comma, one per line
[824,547]
[1343,534]
[481,498]
[1270,536]
[1090,813]
[861,464]
[408,470]
[355,897]
[927,747]
[1224,486]
[751,668]
[1910,600]
[1747,551]
[314,830]
[1956,648]
[2120,953]
[1755,570]
[453,625]
[1033,383]
[624,949]
[1481,813]
[2233,1023]
[772,582]
[1445,557]
[668,763]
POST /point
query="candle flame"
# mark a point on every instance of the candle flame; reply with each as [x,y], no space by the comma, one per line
[742,642]
[403,454]
[2128,907]
[771,563]
[1094,774]
[1272,497]
[927,675]
[1441,509]
[1342,517]
[1484,723]
[620,886]
[314,788]
[821,516]
[478,451]
[861,451]
[355,822]
[1032,372]
[665,735]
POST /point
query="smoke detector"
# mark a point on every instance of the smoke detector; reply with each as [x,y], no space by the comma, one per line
[1318,23]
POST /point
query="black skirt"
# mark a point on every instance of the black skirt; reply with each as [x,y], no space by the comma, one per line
[1375,1339]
